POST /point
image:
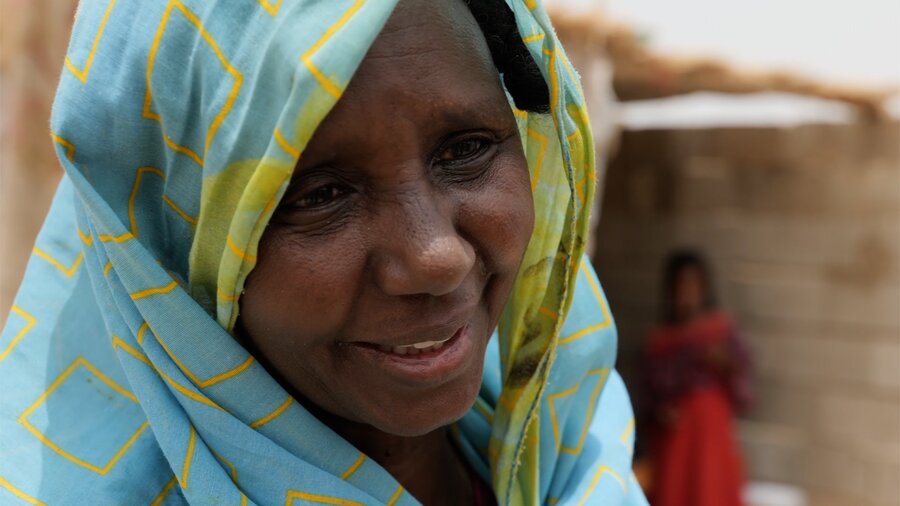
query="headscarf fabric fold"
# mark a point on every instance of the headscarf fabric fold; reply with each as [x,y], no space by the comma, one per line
[178,125]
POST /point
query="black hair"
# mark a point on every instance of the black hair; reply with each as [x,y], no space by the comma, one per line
[676,262]
[521,75]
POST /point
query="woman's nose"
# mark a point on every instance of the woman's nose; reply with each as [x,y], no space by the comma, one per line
[424,254]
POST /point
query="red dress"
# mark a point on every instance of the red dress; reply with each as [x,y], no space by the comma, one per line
[697,378]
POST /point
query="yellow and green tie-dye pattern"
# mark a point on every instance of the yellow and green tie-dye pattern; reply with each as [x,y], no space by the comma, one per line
[178,124]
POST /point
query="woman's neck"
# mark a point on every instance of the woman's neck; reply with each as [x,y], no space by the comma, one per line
[428,466]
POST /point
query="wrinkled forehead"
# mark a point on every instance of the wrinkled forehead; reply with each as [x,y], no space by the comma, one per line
[428,31]
[431,55]
[454,46]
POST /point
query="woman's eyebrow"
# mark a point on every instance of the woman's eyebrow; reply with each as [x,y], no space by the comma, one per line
[475,109]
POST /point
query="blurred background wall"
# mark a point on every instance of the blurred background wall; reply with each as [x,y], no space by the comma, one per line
[801,225]
[789,181]
[785,175]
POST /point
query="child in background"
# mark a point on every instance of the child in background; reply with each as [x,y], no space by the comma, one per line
[696,377]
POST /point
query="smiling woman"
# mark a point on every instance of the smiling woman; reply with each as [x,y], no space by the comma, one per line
[327,252]
[393,240]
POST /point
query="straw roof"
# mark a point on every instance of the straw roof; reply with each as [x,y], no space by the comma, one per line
[643,73]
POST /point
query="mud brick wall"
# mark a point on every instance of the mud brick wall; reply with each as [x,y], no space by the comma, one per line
[802,226]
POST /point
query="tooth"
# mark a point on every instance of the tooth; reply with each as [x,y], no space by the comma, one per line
[415,348]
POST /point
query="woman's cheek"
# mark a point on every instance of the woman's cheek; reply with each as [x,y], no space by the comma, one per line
[500,215]
[297,286]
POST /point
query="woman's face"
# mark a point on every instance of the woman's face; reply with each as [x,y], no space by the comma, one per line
[388,262]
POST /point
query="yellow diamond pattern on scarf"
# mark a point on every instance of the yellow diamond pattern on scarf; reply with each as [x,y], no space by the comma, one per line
[96,389]
[164,86]
[82,72]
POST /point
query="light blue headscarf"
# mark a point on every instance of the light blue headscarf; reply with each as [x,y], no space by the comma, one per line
[178,124]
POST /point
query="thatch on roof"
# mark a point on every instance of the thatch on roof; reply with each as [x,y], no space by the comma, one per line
[643,73]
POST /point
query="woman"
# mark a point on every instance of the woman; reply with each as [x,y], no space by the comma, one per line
[265,282]
[697,377]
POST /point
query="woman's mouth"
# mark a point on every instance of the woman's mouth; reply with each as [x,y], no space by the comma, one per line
[416,348]
[425,362]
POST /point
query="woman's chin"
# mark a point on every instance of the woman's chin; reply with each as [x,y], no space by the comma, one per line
[427,415]
[415,427]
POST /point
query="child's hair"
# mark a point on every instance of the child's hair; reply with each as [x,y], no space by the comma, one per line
[677,261]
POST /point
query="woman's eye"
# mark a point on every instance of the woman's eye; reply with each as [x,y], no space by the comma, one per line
[464,150]
[318,197]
